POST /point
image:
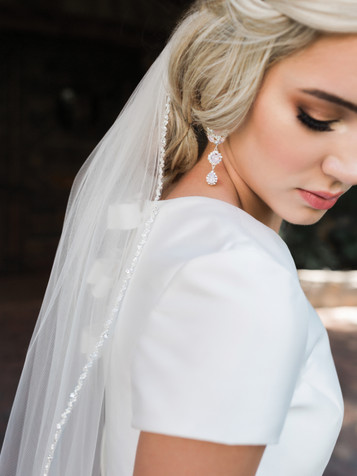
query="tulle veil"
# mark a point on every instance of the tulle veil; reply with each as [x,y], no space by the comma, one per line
[56,423]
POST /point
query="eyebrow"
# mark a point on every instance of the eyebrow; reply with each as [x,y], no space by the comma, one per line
[331,98]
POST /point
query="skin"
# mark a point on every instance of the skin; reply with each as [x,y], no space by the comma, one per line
[161,455]
[272,154]
[265,162]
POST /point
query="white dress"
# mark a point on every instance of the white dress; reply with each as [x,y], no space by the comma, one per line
[216,341]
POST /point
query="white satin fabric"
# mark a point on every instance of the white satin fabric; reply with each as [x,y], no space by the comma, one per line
[216,341]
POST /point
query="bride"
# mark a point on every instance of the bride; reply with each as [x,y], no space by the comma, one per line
[174,338]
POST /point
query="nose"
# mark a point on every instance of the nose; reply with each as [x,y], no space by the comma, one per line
[343,169]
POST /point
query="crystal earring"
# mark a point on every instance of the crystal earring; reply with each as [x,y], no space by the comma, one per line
[214,157]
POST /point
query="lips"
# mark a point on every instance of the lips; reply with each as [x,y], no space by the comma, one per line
[319,200]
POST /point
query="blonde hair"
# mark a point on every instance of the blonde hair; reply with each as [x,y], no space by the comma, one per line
[220,53]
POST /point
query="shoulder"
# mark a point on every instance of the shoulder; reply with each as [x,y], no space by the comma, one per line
[206,247]
[190,228]
[241,286]
[230,325]
[227,272]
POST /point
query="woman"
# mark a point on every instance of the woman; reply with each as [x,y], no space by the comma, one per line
[174,338]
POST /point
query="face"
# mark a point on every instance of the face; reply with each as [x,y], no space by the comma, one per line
[296,152]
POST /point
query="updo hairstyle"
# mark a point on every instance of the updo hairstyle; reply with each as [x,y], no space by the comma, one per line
[220,53]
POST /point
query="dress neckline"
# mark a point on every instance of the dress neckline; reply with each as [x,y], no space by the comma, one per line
[217,202]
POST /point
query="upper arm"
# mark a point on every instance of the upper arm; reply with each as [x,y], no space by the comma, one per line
[220,355]
[216,365]
[162,455]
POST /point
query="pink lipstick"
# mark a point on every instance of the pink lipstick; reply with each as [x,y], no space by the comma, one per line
[319,200]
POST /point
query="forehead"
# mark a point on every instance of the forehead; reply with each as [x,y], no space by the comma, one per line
[329,63]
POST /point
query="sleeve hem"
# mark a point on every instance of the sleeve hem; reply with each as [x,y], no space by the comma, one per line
[257,438]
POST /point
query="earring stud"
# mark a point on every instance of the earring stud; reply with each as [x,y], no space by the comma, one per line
[215,157]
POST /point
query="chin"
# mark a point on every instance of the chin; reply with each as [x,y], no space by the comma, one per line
[308,217]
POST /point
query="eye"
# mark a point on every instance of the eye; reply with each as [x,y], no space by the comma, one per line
[314,124]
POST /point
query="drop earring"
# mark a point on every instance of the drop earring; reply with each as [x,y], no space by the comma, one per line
[215,157]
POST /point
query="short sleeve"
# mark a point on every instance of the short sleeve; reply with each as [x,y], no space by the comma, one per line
[220,355]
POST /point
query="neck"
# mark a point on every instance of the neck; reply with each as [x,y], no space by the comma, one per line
[230,188]
[248,200]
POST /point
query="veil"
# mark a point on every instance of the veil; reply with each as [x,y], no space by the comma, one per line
[56,423]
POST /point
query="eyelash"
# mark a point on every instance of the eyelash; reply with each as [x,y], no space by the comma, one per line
[314,124]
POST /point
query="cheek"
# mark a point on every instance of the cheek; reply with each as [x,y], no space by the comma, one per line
[281,143]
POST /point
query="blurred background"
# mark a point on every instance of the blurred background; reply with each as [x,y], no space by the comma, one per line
[66,70]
